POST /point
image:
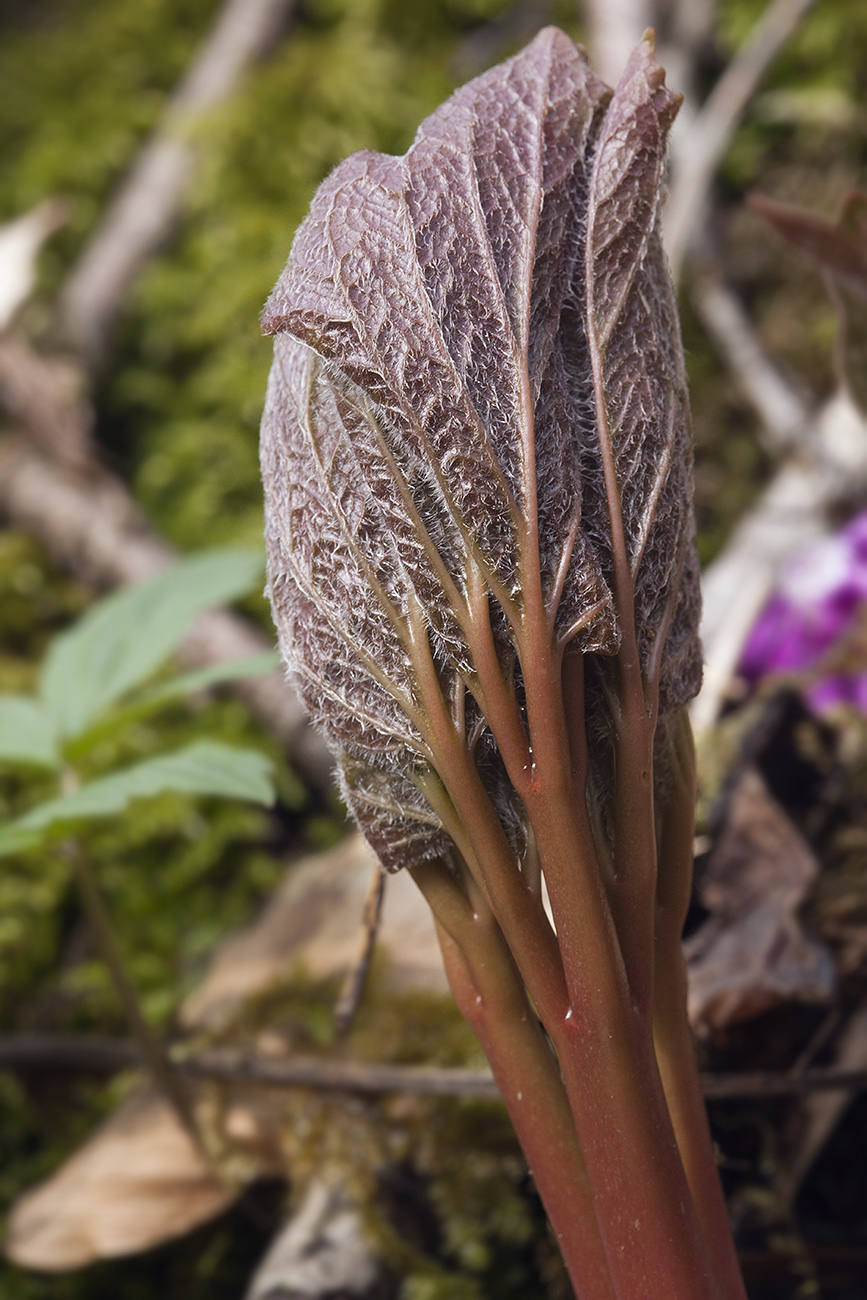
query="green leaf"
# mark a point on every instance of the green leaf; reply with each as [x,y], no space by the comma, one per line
[232,671]
[141,704]
[27,733]
[125,638]
[14,840]
[204,768]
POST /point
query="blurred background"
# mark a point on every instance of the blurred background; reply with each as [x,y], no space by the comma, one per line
[155,161]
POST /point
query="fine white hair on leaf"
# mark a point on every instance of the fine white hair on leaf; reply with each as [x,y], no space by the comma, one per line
[446,328]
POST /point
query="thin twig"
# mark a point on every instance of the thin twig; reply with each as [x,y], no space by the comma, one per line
[150,1044]
[767,1083]
[352,990]
[147,204]
[785,418]
[107,1055]
[48,397]
[87,1053]
[821,1113]
[702,148]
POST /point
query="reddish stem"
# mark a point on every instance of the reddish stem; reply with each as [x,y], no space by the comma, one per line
[598,1020]
[605,1044]
[674,1043]
[491,996]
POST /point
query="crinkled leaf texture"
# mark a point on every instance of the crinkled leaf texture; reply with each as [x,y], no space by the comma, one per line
[446,328]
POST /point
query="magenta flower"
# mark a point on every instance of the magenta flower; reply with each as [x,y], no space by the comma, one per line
[820,592]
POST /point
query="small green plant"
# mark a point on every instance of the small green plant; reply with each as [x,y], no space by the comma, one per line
[97,680]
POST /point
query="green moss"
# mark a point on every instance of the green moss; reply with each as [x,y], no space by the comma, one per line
[36,602]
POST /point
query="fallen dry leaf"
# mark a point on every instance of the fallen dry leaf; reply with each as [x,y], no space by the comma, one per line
[312,921]
[137,1182]
[753,951]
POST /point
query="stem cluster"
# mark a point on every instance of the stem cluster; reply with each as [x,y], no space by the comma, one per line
[583,1020]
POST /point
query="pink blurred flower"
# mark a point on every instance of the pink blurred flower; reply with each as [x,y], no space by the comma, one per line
[816,603]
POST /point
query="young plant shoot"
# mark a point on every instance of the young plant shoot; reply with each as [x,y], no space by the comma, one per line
[477,464]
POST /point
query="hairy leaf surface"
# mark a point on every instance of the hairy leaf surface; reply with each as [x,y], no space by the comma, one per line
[465,336]
[642,403]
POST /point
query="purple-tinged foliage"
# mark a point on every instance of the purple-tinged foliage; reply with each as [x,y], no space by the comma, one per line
[478,386]
[482,567]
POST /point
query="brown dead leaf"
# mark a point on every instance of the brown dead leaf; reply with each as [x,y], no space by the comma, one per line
[137,1182]
[312,922]
[753,951]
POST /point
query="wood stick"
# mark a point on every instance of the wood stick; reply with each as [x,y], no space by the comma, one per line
[147,204]
[701,150]
[99,1055]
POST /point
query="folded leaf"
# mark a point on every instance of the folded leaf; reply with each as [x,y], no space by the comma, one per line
[642,407]
[465,337]
[398,823]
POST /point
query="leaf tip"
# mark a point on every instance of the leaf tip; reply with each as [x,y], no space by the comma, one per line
[643,80]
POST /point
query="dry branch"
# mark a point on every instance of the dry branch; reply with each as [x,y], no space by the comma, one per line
[785,417]
[792,510]
[793,507]
[699,152]
[228,1065]
[614,28]
[821,1112]
[146,206]
[48,397]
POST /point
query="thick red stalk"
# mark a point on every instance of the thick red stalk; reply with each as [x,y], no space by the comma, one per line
[605,1048]
[604,1043]
[602,1034]
[674,1044]
[643,1205]
[491,996]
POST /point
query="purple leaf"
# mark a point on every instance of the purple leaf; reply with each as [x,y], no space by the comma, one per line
[462,336]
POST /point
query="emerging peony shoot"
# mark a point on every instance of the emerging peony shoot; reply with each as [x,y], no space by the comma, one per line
[477,462]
